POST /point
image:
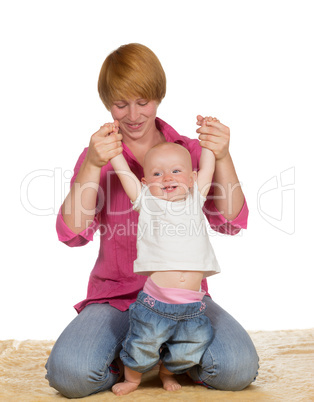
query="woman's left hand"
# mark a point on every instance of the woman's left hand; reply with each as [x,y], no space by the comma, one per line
[213,135]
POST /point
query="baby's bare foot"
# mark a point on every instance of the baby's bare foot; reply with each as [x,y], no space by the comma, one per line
[169,382]
[124,388]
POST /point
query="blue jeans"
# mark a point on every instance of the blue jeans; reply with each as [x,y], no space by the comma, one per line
[79,363]
[183,330]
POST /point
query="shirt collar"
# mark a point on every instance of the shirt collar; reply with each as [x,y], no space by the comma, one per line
[169,132]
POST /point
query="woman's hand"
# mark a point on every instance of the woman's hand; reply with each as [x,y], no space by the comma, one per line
[229,198]
[214,136]
[105,144]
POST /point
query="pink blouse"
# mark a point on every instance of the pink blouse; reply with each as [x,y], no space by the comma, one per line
[112,279]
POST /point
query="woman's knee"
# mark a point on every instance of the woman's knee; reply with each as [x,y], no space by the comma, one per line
[75,378]
[239,373]
[67,378]
[229,367]
[231,362]
[79,363]
[232,372]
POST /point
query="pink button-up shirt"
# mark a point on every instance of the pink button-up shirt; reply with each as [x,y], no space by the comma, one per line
[112,279]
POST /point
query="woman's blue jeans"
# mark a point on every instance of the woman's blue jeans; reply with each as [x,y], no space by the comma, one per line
[79,363]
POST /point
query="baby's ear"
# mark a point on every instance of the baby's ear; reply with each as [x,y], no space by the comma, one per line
[143,180]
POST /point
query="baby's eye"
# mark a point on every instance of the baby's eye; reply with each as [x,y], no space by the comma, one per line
[157,174]
[176,171]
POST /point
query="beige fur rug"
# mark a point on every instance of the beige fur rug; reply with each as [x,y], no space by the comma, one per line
[286,374]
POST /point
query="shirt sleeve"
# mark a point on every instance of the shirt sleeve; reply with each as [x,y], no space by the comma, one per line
[222,225]
[216,220]
[64,233]
[138,202]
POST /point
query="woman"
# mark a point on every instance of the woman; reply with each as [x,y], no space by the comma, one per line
[84,360]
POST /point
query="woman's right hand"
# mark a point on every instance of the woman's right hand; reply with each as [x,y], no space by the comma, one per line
[105,144]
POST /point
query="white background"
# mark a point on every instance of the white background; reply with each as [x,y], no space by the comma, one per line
[249,63]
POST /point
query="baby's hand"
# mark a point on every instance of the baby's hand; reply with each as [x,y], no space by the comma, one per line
[116,127]
[201,121]
[105,144]
[213,135]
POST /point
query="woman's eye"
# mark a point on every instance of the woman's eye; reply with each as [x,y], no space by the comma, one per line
[143,103]
[120,106]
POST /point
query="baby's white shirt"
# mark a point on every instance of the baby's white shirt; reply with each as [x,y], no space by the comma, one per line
[173,235]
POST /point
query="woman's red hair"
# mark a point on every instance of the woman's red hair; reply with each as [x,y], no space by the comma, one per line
[132,71]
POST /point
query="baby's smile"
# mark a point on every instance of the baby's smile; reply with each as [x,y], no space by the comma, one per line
[168,189]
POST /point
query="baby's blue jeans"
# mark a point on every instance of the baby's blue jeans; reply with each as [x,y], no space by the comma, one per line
[80,361]
[182,330]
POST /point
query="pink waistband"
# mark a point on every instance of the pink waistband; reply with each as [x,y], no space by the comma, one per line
[172,295]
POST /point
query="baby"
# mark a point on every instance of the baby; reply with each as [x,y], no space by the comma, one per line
[174,251]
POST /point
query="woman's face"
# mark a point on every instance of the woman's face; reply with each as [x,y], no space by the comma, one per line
[136,118]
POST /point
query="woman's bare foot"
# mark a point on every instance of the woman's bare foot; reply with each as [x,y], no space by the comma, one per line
[124,388]
[168,381]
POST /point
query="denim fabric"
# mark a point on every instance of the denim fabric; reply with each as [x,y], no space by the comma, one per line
[79,363]
[182,330]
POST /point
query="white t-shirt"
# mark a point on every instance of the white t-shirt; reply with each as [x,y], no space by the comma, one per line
[173,236]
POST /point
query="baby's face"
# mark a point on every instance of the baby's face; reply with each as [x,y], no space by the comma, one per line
[168,173]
